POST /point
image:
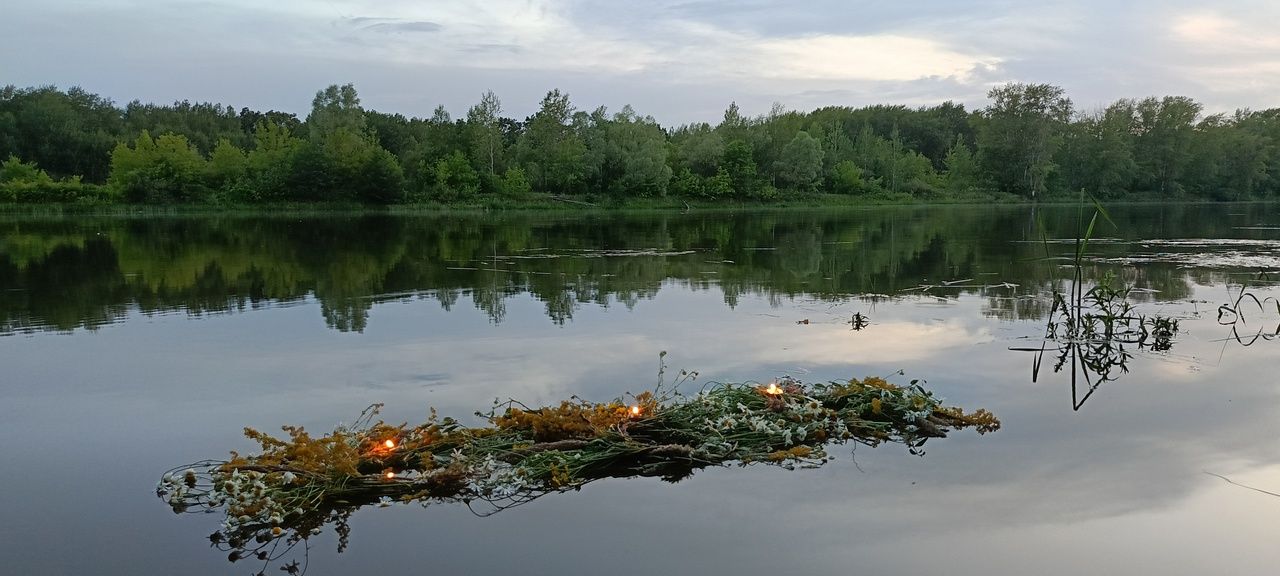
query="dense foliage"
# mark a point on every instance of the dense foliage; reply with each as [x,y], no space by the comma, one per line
[1029,141]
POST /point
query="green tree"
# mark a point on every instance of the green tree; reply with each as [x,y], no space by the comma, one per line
[1097,152]
[686,184]
[514,184]
[15,170]
[962,170]
[718,186]
[800,167]
[270,163]
[161,170]
[550,150]
[699,148]
[393,132]
[455,178]
[202,123]
[1018,134]
[626,154]
[19,179]
[739,166]
[66,133]
[227,165]
[733,126]
[1264,125]
[1162,149]
[342,159]
[335,109]
[486,131]
[847,178]
[381,179]
[1227,161]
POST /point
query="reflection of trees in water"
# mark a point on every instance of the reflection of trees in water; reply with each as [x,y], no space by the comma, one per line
[492,301]
[346,315]
[800,253]
[71,285]
[1017,307]
[68,274]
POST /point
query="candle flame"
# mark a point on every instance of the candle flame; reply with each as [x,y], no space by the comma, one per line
[773,389]
[389,443]
[635,410]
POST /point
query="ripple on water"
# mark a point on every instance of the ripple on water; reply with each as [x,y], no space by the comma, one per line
[1205,253]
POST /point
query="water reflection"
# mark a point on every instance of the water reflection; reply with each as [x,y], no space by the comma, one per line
[62,275]
[1247,308]
[1088,332]
[1094,338]
[93,416]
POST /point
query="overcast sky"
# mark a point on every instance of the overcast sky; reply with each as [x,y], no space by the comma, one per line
[680,61]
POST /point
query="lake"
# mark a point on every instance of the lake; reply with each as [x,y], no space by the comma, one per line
[134,344]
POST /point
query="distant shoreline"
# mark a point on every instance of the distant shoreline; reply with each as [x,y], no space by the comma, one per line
[1029,144]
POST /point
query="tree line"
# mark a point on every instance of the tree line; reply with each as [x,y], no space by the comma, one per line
[1029,142]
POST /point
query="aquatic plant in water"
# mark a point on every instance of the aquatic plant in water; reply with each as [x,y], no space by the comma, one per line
[278,498]
[1090,329]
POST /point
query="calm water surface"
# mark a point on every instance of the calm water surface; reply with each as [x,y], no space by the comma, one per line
[130,345]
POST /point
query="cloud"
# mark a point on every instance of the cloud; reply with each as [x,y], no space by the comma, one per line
[1227,54]
[680,61]
[509,48]
[397,27]
[664,43]
[1203,28]
[878,57]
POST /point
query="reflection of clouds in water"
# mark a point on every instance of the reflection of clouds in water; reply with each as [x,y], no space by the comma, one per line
[700,335]
[1137,445]
[1054,483]
[1122,475]
[1139,441]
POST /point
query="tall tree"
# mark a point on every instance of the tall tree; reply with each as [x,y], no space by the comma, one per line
[699,148]
[962,167]
[270,162]
[800,167]
[66,133]
[1018,134]
[1165,128]
[1226,162]
[1097,152]
[740,168]
[550,149]
[486,131]
[641,144]
[333,109]
[342,160]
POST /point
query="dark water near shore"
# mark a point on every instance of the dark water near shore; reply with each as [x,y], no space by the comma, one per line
[130,345]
